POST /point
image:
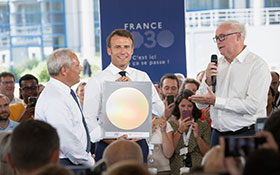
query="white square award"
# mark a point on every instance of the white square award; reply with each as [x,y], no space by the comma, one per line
[126,109]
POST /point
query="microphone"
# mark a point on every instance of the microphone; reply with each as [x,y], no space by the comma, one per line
[214,59]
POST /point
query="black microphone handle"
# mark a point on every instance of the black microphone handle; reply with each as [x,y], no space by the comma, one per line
[213,80]
[214,59]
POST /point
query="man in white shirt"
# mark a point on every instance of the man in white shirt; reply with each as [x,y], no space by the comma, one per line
[120,48]
[243,80]
[58,106]
[169,85]
[7,86]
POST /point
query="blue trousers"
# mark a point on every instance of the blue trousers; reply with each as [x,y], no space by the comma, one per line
[215,135]
[100,147]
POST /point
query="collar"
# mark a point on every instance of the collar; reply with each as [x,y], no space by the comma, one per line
[241,57]
[61,86]
[115,70]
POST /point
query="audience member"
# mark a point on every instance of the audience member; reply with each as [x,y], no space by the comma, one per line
[7,86]
[240,97]
[193,86]
[162,130]
[80,91]
[263,161]
[270,107]
[163,147]
[272,125]
[122,150]
[190,84]
[181,78]
[120,45]
[169,85]
[5,123]
[34,144]
[128,168]
[24,110]
[53,169]
[191,137]
[58,105]
[5,141]
[275,85]
[217,163]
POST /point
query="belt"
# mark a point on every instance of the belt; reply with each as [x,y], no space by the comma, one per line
[237,132]
[67,162]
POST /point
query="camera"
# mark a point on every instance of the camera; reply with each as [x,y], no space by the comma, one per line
[186,114]
[170,99]
[241,146]
[187,160]
[260,124]
[32,101]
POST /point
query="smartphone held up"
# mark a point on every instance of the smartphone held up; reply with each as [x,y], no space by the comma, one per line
[242,145]
[170,99]
[32,101]
[186,114]
[260,124]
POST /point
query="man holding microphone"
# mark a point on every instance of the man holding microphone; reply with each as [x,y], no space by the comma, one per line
[243,80]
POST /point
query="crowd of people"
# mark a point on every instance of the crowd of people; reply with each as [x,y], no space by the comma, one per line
[52,129]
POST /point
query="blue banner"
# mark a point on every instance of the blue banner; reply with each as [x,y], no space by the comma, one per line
[158,27]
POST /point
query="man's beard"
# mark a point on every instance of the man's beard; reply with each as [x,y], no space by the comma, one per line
[163,96]
[4,116]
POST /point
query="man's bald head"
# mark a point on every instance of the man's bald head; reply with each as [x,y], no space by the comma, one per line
[121,150]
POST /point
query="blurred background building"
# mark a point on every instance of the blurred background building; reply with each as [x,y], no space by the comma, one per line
[31,29]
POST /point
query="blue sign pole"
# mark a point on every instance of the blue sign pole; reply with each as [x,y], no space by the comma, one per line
[158,27]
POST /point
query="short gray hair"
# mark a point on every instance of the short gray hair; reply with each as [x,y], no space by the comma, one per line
[236,27]
[58,59]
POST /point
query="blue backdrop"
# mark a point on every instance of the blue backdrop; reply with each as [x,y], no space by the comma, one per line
[158,27]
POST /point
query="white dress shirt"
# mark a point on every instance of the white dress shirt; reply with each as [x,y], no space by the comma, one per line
[241,92]
[57,107]
[93,96]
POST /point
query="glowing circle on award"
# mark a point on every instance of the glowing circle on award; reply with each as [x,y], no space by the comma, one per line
[127,108]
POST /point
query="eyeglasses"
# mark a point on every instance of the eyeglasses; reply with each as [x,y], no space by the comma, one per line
[222,37]
[7,82]
[29,88]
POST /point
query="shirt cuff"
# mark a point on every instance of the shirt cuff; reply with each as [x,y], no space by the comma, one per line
[96,134]
[90,162]
[220,102]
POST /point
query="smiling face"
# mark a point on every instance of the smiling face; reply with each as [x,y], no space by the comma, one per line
[72,72]
[4,108]
[230,47]
[7,85]
[120,51]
